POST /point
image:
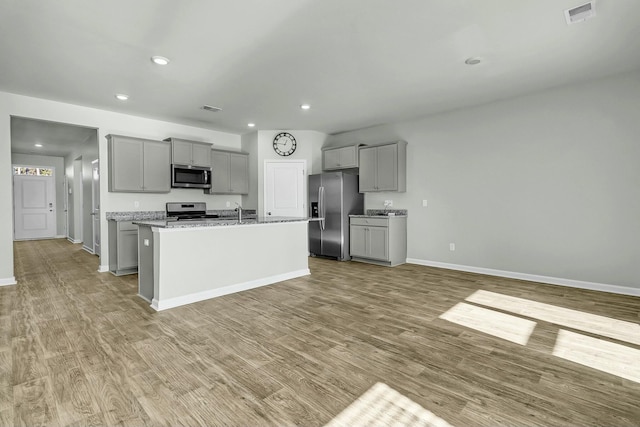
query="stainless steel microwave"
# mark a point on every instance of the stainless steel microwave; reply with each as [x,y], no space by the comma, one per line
[187,176]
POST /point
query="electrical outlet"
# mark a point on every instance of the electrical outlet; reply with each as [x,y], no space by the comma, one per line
[136,204]
[424,203]
[228,204]
[146,242]
[452,246]
[388,203]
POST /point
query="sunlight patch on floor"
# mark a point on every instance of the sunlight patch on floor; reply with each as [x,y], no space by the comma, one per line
[501,325]
[605,356]
[574,319]
[383,406]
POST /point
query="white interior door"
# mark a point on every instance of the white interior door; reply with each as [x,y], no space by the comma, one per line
[285,188]
[95,201]
[34,199]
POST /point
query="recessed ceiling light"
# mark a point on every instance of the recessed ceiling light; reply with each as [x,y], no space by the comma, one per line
[305,106]
[122,96]
[251,125]
[38,145]
[472,61]
[160,60]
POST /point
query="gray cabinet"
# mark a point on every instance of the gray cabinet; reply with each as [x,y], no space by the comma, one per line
[194,153]
[229,172]
[378,240]
[123,247]
[340,158]
[138,165]
[383,167]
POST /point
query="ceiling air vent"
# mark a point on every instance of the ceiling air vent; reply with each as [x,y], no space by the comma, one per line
[211,108]
[580,13]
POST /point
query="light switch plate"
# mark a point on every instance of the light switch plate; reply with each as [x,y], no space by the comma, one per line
[424,203]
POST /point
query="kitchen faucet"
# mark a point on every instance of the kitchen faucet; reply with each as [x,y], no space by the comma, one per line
[239,210]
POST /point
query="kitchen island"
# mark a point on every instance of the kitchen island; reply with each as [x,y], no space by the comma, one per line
[182,262]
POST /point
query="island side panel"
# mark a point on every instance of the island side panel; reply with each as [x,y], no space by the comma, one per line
[145,263]
[193,264]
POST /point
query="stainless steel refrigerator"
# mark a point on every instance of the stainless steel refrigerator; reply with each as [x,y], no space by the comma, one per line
[333,196]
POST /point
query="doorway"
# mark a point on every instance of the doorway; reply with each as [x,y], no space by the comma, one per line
[34,202]
[69,149]
[285,188]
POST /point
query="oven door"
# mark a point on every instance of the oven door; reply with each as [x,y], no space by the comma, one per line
[185,176]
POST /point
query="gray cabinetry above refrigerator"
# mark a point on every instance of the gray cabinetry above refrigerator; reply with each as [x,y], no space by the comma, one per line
[340,157]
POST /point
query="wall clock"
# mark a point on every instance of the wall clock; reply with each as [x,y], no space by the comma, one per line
[284,144]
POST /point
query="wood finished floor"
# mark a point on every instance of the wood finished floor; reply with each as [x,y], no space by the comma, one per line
[79,348]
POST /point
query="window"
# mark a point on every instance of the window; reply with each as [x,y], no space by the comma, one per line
[28,170]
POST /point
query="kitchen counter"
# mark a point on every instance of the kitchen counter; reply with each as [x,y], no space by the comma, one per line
[135,216]
[217,222]
[161,215]
[182,262]
[378,216]
[382,213]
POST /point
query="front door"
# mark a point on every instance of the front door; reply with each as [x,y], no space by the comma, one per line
[285,184]
[34,200]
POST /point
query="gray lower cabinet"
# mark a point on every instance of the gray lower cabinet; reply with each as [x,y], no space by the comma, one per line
[123,247]
[383,167]
[378,240]
[229,172]
[139,165]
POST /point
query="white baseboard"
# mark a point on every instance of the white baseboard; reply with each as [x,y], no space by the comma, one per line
[623,290]
[231,289]
[8,281]
[103,268]
[74,241]
[88,249]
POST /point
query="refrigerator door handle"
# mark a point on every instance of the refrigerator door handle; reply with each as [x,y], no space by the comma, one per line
[321,206]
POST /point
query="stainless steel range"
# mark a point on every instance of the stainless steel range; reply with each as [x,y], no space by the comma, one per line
[177,211]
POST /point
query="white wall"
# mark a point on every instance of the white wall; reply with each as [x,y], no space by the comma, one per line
[106,122]
[546,184]
[308,147]
[58,164]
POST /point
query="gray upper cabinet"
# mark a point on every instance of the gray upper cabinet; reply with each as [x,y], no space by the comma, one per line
[229,172]
[139,165]
[194,153]
[383,167]
[340,158]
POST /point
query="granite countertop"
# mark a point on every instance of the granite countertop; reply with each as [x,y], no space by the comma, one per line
[217,222]
[161,215]
[382,212]
[135,216]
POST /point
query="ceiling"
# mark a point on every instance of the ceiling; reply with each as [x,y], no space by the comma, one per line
[358,63]
[57,139]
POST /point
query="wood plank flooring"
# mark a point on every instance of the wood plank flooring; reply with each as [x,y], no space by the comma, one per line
[79,348]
